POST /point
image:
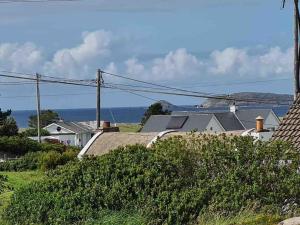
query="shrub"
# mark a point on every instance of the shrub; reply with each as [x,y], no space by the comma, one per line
[172,183]
[30,161]
[33,132]
[18,145]
[47,160]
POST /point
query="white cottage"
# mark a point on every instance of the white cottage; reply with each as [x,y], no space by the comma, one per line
[70,133]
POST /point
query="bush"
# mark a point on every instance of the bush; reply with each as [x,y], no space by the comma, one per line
[172,183]
[28,162]
[18,145]
[33,132]
[47,160]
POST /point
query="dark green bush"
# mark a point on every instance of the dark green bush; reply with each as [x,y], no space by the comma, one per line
[169,184]
[44,160]
[18,145]
[33,132]
[30,161]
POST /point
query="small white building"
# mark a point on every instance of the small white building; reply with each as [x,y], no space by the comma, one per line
[70,133]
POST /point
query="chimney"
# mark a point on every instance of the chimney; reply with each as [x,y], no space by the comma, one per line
[259,124]
[233,108]
[107,128]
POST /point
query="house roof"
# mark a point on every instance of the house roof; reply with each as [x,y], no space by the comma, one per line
[158,123]
[240,120]
[289,128]
[229,121]
[112,140]
[73,127]
[248,117]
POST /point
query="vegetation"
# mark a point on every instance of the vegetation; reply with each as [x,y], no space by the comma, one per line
[129,127]
[47,117]
[18,145]
[14,181]
[49,157]
[178,181]
[155,109]
[8,126]
[33,132]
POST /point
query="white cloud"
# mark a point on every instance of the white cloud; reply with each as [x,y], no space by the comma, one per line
[77,60]
[20,57]
[99,48]
[233,61]
[177,64]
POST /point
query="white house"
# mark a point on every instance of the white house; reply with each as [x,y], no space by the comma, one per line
[70,133]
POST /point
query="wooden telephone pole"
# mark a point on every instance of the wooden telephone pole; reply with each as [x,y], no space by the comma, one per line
[296,46]
[38,106]
[98,110]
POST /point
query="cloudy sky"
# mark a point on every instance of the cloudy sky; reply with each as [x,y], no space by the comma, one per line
[211,46]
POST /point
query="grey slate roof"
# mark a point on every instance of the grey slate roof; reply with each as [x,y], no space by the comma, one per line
[248,117]
[158,123]
[74,127]
[240,120]
[229,121]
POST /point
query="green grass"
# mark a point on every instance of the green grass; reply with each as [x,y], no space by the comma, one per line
[118,218]
[129,127]
[244,218]
[16,180]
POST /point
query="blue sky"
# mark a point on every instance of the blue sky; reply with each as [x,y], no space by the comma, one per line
[203,45]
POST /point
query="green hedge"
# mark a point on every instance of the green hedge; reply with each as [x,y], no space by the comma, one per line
[172,183]
[18,145]
[40,160]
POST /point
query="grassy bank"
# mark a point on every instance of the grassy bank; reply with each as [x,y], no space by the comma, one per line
[16,180]
[129,127]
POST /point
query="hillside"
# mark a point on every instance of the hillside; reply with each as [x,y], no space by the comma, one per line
[274,99]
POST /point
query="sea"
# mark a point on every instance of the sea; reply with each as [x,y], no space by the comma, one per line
[126,114]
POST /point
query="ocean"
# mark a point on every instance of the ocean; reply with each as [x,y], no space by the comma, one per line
[124,114]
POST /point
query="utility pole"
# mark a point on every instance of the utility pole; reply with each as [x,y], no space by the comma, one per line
[99,83]
[38,106]
[296,48]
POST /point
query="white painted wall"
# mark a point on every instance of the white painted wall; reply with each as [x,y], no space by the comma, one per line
[214,126]
[68,137]
[271,121]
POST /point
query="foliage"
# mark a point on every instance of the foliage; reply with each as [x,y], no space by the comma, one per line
[9,127]
[47,117]
[107,217]
[33,132]
[18,145]
[44,160]
[172,183]
[14,181]
[245,217]
[155,109]
[4,116]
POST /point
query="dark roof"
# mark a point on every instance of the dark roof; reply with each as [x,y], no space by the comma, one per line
[158,123]
[229,121]
[74,127]
[196,122]
[289,128]
[248,117]
[176,122]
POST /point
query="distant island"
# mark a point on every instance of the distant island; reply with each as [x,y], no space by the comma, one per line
[273,99]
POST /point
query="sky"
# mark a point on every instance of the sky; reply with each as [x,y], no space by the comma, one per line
[210,46]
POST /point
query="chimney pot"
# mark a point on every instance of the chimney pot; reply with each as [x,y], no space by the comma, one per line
[259,124]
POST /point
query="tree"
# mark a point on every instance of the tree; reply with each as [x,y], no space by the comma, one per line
[4,116]
[155,109]
[8,126]
[47,117]
[32,132]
